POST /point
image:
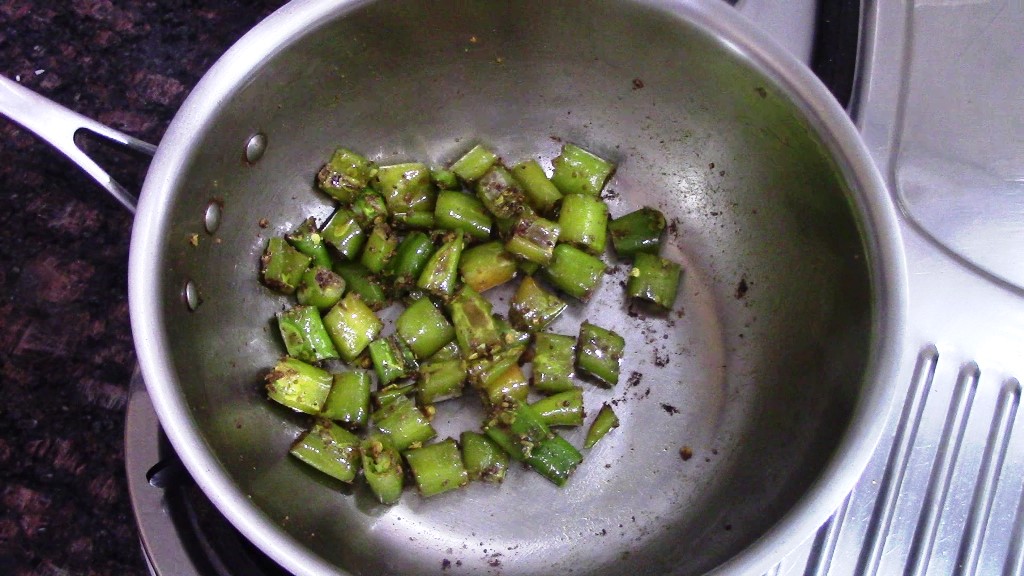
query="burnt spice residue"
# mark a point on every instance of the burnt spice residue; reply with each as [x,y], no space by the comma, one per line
[741,288]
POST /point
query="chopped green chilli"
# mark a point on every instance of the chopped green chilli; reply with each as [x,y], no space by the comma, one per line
[561,409]
[330,449]
[533,308]
[599,352]
[554,357]
[577,171]
[320,287]
[575,272]
[441,272]
[541,193]
[584,222]
[304,334]
[638,231]
[602,424]
[487,265]
[390,316]
[392,359]
[352,325]
[437,467]
[345,174]
[424,328]
[343,233]
[298,385]
[382,468]
[484,460]
[654,279]
[474,163]
[349,399]
[283,266]
[306,239]
[403,421]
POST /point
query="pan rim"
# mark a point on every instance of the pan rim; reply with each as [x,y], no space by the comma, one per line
[872,203]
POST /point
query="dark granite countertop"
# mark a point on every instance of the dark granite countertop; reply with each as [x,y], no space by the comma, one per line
[65,336]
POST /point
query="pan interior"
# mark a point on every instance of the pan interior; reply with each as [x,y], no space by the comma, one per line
[756,371]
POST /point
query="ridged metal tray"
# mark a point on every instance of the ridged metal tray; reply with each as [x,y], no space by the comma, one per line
[937,101]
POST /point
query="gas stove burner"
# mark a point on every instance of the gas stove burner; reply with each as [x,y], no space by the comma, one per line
[181,531]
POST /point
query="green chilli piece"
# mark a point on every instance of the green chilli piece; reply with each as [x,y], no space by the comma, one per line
[599,352]
[575,272]
[534,239]
[343,232]
[385,395]
[345,174]
[533,308]
[654,279]
[510,337]
[577,171]
[298,385]
[638,231]
[320,287]
[282,267]
[487,265]
[349,399]
[509,382]
[382,468]
[440,380]
[488,372]
[444,179]
[369,207]
[352,325]
[500,193]
[561,409]
[473,164]
[584,222]
[379,249]
[304,334]
[437,468]
[475,329]
[484,460]
[307,239]
[603,423]
[553,360]
[441,273]
[424,328]
[464,213]
[330,449]
[359,280]
[410,259]
[541,193]
[402,420]
[406,188]
[449,351]
[520,431]
[392,359]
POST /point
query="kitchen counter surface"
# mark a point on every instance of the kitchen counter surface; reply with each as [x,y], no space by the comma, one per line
[65,337]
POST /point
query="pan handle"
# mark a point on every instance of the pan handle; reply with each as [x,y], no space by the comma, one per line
[59,126]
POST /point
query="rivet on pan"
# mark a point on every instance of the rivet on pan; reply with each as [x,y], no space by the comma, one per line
[255,147]
[212,217]
[191,293]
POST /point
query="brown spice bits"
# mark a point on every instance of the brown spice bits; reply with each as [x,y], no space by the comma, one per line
[741,288]
[637,84]
[263,223]
[670,409]
[686,453]
[634,379]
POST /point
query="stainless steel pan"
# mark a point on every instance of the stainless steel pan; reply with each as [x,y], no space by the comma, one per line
[774,371]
